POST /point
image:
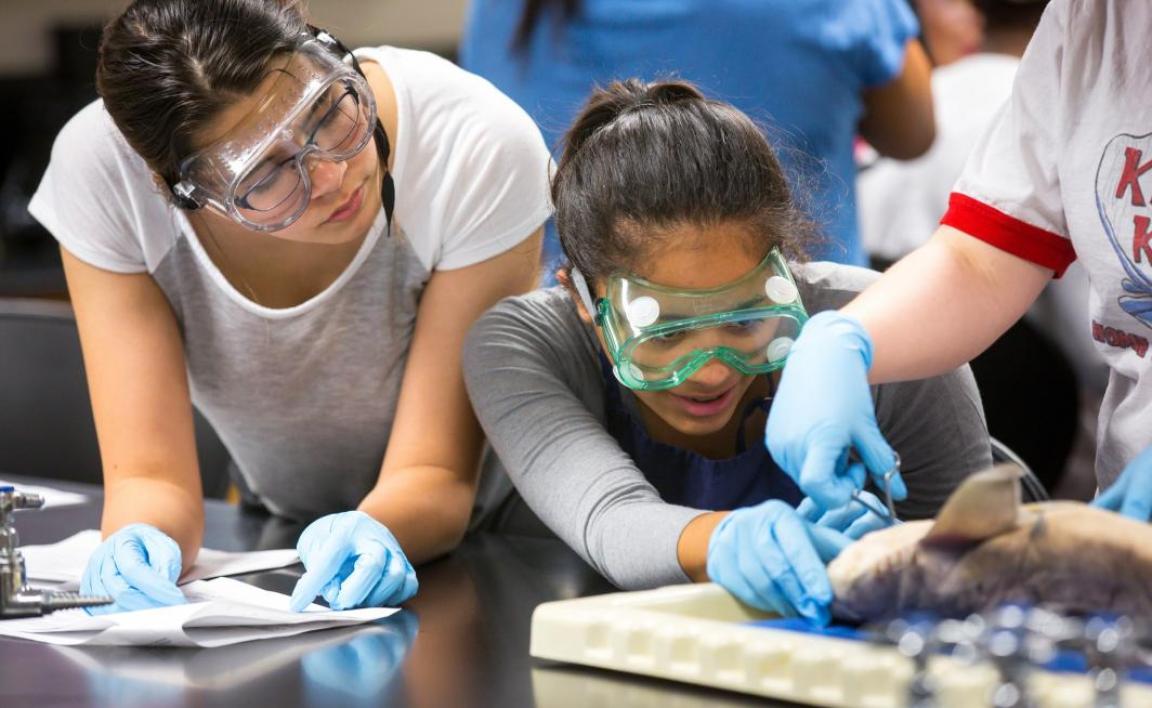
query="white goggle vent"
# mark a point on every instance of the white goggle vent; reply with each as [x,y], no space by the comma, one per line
[780,289]
[643,311]
[778,348]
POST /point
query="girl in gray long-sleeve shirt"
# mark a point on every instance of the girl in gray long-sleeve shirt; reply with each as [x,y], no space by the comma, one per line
[628,407]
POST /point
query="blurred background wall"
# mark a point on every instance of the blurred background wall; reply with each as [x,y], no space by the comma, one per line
[27,26]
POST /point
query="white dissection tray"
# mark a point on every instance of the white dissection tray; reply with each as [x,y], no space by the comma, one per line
[700,634]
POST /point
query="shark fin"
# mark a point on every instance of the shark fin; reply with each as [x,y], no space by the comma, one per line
[986,504]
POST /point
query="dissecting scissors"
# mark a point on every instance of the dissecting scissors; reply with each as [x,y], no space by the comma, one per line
[888,515]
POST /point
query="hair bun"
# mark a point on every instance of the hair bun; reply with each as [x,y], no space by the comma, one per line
[668,92]
[634,94]
[607,103]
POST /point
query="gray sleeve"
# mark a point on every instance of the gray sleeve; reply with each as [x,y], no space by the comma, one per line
[937,426]
[533,377]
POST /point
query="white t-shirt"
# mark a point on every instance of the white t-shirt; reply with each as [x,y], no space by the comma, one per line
[304,397]
[1064,173]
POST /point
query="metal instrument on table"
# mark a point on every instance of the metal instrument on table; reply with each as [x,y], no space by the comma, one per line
[1017,640]
[17,599]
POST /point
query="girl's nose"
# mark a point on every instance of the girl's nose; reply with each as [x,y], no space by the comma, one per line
[327,175]
[714,373]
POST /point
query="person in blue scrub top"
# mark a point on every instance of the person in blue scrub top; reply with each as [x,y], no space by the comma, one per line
[628,408]
[820,72]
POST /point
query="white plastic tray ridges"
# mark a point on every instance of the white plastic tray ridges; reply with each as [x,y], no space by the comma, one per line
[697,634]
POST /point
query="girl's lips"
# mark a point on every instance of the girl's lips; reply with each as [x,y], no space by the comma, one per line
[349,208]
[705,408]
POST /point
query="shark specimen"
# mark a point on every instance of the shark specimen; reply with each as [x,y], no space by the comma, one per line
[985,548]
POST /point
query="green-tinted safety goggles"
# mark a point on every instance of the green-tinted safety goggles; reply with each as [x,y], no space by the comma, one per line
[657,337]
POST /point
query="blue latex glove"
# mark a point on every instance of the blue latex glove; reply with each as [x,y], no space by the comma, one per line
[138,567]
[771,558]
[1131,493]
[853,520]
[823,410]
[354,561]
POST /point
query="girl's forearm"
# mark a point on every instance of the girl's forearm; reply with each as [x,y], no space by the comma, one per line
[169,507]
[427,509]
[944,304]
[692,548]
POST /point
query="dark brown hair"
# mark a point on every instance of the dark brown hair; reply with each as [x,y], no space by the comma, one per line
[642,157]
[167,67]
[530,17]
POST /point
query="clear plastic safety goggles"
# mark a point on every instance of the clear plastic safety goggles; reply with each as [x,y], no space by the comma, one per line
[657,337]
[319,107]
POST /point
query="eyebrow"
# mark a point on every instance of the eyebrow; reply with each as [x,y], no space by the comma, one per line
[312,110]
[269,160]
[746,305]
[324,99]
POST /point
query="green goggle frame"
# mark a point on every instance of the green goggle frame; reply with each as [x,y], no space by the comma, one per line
[657,337]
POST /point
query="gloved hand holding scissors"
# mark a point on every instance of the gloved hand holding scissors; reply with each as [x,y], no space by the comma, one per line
[773,559]
[137,567]
[1131,493]
[853,520]
[823,410]
[353,561]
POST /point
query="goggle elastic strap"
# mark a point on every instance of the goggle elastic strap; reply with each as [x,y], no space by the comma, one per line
[184,196]
[387,186]
[585,293]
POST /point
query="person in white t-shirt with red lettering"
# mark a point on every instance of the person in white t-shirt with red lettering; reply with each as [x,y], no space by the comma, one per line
[1063,174]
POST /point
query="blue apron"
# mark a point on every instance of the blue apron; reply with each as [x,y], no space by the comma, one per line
[686,478]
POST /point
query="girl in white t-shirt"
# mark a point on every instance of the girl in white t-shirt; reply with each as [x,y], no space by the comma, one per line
[295,240]
[1062,174]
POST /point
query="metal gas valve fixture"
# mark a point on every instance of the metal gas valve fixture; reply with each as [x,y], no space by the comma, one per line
[17,599]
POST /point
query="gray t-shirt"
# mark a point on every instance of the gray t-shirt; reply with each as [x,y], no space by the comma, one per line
[304,397]
[532,370]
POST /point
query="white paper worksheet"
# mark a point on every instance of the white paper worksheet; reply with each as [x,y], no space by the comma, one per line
[219,612]
[64,562]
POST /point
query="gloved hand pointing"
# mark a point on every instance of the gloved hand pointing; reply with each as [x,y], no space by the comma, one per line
[138,567]
[1131,493]
[772,559]
[354,561]
[823,410]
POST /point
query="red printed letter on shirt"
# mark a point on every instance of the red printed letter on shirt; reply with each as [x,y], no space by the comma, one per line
[1130,177]
[1141,238]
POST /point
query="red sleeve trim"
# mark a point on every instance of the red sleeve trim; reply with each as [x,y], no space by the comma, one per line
[1008,233]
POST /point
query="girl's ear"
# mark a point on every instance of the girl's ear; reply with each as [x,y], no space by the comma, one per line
[565,279]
